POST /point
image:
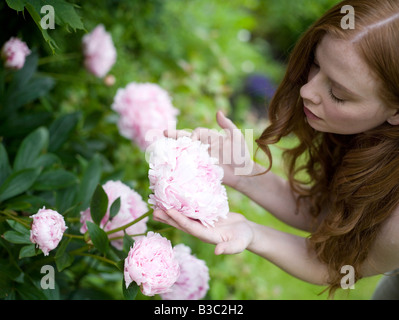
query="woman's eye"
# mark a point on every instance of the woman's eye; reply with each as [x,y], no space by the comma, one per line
[334,98]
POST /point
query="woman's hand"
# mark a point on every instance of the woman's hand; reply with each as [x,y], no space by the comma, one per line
[230,235]
[229,148]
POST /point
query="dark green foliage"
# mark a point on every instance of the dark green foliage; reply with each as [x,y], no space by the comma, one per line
[59,140]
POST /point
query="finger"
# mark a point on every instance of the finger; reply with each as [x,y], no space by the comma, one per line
[206,136]
[161,216]
[184,223]
[175,134]
[198,133]
[224,122]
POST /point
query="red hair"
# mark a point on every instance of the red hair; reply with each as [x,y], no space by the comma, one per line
[354,177]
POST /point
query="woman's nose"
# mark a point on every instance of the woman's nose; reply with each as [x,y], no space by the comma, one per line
[310,94]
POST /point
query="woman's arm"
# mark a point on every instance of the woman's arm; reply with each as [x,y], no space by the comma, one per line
[235,234]
[288,252]
[384,253]
[275,195]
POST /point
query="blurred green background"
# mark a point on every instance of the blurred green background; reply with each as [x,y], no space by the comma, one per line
[208,55]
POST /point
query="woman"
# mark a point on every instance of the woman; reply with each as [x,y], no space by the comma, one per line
[340,97]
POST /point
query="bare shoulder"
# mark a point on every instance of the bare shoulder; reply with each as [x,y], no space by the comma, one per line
[384,255]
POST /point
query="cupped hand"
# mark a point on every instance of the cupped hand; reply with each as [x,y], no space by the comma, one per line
[230,235]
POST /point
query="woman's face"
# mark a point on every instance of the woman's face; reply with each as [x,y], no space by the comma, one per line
[341,93]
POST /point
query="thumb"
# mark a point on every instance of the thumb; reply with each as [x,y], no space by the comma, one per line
[225,123]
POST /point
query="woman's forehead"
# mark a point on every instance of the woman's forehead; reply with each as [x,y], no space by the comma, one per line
[345,66]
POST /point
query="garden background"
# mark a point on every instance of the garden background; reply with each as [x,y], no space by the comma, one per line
[208,55]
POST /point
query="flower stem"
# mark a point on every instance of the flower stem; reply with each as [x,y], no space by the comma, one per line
[62,77]
[58,58]
[103,259]
[80,252]
[81,249]
[73,236]
[130,223]
[8,214]
[130,235]
[142,234]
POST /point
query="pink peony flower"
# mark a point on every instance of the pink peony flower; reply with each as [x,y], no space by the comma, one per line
[132,207]
[14,52]
[151,263]
[145,111]
[99,51]
[48,228]
[184,177]
[192,283]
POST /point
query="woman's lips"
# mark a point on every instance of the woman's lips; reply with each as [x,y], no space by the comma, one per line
[309,114]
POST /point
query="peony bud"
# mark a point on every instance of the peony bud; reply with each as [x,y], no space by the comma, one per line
[48,228]
[14,52]
[109,80]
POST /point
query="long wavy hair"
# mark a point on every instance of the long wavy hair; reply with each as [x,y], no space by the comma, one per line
[356,177]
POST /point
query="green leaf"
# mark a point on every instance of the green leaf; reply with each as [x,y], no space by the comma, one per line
[18,227]
[130,292]
[18,183]
[30,149]
[29,291]
[37,18]
[27,203]
[16,4]
[24,87]
[128,242]
[64,261]
[65,15]
[55,179]
[98,205]
[62,258]
[21,124]
[16,237]
[62,247]
[18,205]
[9,267]
[5,169]
[6,285]
[120,265]
[27,251]
[90,180]
[65,199]
[98,236]
[46,160]
[37,87]
[60,130]
[24,75]
[115,207]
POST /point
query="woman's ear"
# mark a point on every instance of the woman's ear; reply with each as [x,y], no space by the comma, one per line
[394,119]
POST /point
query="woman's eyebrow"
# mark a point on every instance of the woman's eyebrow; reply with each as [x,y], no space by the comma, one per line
[342,88]
[335,83]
